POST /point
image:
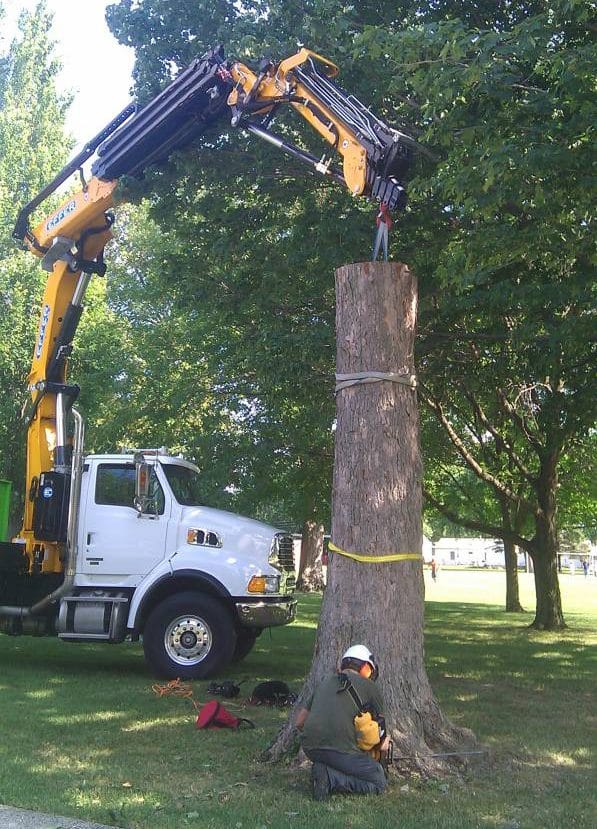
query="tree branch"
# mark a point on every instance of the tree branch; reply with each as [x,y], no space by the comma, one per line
[467,496]
[519,421]
[499,439]
[479,526]
[468,458]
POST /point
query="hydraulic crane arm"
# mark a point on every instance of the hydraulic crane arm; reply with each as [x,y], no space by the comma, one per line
[71,239]
[376,158]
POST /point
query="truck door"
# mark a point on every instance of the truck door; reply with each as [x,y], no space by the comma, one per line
[116,540]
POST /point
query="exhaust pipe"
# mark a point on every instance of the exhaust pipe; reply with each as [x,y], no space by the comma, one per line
[72,533]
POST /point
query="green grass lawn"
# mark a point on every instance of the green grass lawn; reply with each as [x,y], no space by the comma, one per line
[83,734]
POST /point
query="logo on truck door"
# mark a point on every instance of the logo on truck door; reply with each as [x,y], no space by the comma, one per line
[45,316]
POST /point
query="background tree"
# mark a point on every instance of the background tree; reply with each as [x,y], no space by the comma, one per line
[500,235]
[144,351]
[459,502]
[33,146]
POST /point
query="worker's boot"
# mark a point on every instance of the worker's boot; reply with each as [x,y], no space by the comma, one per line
[320,781]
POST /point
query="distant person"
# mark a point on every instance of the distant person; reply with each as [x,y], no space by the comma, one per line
[572,565]
[434,569]
[329,735]
[585,566]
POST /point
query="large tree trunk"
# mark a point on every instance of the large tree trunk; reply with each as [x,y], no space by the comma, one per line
[376,510]
[511,560]
[511,563]
[310,576]
[548,612]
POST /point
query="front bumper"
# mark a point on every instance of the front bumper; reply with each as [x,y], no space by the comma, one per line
[266,614]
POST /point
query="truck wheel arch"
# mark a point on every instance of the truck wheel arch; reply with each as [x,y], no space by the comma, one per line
[180,581]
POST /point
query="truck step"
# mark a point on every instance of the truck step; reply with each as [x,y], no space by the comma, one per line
[80,636]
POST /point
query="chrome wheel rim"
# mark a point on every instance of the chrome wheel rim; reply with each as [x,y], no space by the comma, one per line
[187,640]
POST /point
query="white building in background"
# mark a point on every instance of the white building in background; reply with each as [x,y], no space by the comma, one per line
[467,552]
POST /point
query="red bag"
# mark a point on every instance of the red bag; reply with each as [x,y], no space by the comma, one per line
[214,715]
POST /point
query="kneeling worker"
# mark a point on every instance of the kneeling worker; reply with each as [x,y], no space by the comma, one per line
[336,744]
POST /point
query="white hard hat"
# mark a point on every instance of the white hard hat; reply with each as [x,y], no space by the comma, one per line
[362,654]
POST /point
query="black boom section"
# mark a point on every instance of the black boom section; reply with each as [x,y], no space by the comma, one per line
[185,108]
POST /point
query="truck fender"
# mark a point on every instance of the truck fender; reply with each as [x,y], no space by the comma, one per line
[151,591]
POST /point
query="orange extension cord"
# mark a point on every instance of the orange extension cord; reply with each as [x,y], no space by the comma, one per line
[182,690]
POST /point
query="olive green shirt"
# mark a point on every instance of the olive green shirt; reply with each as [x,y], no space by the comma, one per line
[330,723]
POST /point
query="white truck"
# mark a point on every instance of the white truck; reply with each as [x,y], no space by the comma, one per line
[145,558]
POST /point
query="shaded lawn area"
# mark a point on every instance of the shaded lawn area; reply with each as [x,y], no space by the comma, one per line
[84,735]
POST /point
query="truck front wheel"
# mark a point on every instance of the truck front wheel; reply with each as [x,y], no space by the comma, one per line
[188,636]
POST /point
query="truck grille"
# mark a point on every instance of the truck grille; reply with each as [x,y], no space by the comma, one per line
[286,552]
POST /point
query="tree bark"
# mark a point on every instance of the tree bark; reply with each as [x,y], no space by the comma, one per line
[376,510]
[310,577]
[511,561]
[548,612]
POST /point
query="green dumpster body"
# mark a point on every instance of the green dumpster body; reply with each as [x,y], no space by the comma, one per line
[5,487]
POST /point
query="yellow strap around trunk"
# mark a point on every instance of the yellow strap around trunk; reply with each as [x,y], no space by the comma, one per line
[375,559]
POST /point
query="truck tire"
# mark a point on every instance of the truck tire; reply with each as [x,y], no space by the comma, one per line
[189,636]
[245,639]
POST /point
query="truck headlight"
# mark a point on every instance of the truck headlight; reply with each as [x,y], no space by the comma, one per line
[264,584]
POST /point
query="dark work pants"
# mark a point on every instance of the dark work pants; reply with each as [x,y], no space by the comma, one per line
[350,773]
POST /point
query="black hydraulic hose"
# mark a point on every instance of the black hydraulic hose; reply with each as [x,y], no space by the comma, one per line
[62,347]
[183,110]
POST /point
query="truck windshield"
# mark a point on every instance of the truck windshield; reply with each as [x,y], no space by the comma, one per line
[185,484]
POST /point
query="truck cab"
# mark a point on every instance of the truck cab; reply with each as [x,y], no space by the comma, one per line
[199,584]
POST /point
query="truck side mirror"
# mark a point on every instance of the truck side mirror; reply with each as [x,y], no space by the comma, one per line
[142,478]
